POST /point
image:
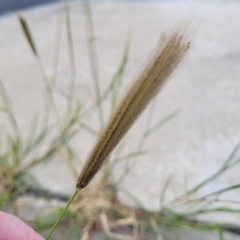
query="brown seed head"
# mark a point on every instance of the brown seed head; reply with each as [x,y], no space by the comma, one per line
[136,99]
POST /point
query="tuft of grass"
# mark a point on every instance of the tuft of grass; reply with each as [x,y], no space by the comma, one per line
[97,208]
[136,99]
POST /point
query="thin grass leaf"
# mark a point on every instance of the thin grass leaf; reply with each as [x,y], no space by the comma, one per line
[49,92]
[145,135]
[4,109]
[161,123]
[70,152]
[207,210]
[71,58]
[116,80]
[125,173]
[198,205]
[220,234]
[233,163]
[69,155]
[148,121]
[74,119]
[15,150]
[222,190]
[117,154]
[126,159]
[119,150]
[226,165]
[49,154]
[118,76]
[33,130]
[92,53]
[4,159]
[143,138]
[63,141]
[56,51]
[12,118]
[88,129]
[132,198]
[66,139]
[34,143]
[129,155]
[163,192]
[232,154]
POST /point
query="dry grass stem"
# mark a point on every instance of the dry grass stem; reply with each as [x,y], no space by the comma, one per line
[136,99]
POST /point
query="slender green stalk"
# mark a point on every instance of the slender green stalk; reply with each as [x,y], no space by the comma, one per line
[224,167]
[49,92]
[92,55]
[228,163]
[220,234]
[118,76]
[62,213]
[56,50]
[147,132]
[71,57]
[114,85]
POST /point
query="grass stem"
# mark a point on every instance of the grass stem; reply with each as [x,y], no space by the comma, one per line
[62,213]
[92,53]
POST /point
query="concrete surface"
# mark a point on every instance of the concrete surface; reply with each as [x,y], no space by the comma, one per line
[190,147]
[30,208]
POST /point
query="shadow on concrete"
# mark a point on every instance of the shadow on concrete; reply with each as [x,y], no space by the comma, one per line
[8,6]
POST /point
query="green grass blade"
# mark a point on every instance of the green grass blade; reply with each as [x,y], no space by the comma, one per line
[161,123]
[71,57]
[89,28]
[232,154]
[32,131]
[132,198]
[62,214]
[88,129]
[9,108]
[49,92]
[13,122]
[222,190]
[163,192]
[127,156]
[220,234]
[34,143]
[118,76]
[224,167]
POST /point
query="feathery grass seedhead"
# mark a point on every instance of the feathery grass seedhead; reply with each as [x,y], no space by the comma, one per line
[27,33]
[136,99]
